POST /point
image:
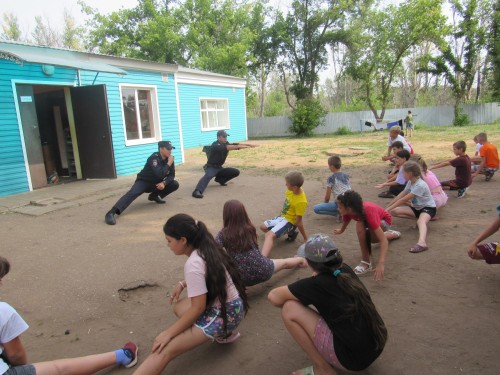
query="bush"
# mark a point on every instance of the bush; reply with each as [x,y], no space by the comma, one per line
[307,116]
[343,130]
[461,120]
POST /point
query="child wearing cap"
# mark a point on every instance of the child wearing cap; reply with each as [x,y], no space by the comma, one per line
[490,252]
[344,331]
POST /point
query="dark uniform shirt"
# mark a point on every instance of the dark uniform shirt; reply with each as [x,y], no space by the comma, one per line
[156,170]
[217,154]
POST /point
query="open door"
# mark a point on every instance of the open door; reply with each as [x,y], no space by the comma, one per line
[93,131]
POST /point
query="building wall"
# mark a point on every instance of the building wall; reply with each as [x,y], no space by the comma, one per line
[128,159]
[189,104]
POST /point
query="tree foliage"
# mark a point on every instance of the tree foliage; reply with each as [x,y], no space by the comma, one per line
[10,27]
[307,115]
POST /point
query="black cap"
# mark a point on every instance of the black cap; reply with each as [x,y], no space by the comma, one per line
[165,144]
[222,133]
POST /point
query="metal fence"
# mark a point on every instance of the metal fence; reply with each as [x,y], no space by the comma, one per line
[355,121]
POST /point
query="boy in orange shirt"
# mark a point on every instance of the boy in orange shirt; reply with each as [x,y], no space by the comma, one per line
[488,158]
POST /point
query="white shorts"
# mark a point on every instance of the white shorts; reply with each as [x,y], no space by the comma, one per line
[279,226]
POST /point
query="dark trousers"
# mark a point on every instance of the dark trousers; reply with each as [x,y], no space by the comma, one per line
[139,187]
[396,189]
[222,175]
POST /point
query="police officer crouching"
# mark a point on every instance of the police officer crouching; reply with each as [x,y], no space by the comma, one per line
[157,178]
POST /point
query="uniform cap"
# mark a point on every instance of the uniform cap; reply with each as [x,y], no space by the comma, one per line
[165,144]
[222,133]
[320,248]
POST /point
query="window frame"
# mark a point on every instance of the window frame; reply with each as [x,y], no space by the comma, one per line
[153,90]
[207,110]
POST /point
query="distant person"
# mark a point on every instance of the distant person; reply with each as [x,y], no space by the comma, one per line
[488,158]
[337,183]
[290,218]
[490,252]
[156,178]
[462,165]
[372,226]
[342,329]
[14,359]
[239,238]
[217,154]
[422,208]
[393,137]
[216,302]
[409,124]
[397,182]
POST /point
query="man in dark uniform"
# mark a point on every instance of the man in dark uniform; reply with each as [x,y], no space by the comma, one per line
[217,155]
[157,178]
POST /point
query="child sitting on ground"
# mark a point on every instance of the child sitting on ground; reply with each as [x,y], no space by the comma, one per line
[422,206]
[372,226]
[396,147]
[294,208]
[337,183]
[488,158]
[344,330]
[462,165]
[239,238]
[490,252]
[394,135]
[397,182]
[438,194]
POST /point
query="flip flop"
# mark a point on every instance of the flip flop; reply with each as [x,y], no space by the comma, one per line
[304,371]
[418,248]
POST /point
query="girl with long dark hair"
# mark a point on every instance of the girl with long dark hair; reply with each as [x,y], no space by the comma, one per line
[216,301]
[239,238]
[344,331]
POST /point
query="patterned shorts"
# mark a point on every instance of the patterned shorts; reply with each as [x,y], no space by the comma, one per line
[212,324]
[323,341]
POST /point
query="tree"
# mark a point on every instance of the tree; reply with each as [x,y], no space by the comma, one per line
[494,52]
[44,34]
[72,34]
[458,61]
[10,27]
[379,44]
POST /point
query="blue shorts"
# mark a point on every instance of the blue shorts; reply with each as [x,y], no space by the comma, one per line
[212,324]
[279,226]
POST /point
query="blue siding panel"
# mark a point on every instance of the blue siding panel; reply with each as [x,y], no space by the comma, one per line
[189,104]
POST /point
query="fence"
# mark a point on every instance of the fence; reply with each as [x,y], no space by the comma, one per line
[355,121]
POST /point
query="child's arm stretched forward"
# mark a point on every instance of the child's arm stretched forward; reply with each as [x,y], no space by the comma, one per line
[495,226]
[300,227]
[400,200]
[440,165]
[196,307]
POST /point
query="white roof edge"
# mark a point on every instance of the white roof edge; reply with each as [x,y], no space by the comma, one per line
[195,77]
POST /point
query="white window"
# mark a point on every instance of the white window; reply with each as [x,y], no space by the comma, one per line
[214,114]
[140,114]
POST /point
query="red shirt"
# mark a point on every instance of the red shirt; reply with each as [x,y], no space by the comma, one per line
[374,215]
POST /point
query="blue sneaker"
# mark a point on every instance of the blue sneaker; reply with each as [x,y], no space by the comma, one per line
[461,192]
[130,349]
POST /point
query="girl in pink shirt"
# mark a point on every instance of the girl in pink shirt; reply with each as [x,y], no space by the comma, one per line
[216,301]
[438,194]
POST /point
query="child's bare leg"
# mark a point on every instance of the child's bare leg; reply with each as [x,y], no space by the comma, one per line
[267,246]
[156,362]
[76,366]
[365,252]
[422,221]
[288,263]
[404,212]
[264,228]
[301,322]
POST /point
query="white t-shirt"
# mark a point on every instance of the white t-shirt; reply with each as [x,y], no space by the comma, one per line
[401,139]
[423,197]
[11,326]
[194,273]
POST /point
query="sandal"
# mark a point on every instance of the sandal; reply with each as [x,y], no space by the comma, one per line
[386,194]
[361,270]
[418,248]
[229,339]
[394,233]
[304,371]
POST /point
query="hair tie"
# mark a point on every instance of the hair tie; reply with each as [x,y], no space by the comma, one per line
[337,272]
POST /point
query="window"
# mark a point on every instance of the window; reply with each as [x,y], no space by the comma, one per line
[140,114]
[214,114]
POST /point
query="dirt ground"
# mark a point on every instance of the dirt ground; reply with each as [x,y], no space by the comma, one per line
[69,270]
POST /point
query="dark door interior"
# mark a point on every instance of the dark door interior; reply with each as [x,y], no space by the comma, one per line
[93,131]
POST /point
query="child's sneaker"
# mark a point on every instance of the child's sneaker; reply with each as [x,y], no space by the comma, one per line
[292,236]
[489,175]
[461,192]
[130,349]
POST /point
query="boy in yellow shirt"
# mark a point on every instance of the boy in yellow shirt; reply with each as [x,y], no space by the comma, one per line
[294,208]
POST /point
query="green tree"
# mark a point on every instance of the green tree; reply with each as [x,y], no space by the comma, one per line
[72,33]
[494,52]
[458,61]
[383,39]
[10,27]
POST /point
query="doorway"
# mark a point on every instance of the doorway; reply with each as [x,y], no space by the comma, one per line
[67,133]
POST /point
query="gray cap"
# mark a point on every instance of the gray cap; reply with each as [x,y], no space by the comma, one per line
[165,144]
[319,248]
[222,133]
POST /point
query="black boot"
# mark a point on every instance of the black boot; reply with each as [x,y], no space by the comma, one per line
[155,198]
[110,218]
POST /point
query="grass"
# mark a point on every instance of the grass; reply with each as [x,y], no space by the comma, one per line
[276,156]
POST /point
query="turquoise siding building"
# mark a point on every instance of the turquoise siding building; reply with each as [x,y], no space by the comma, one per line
[75,115]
